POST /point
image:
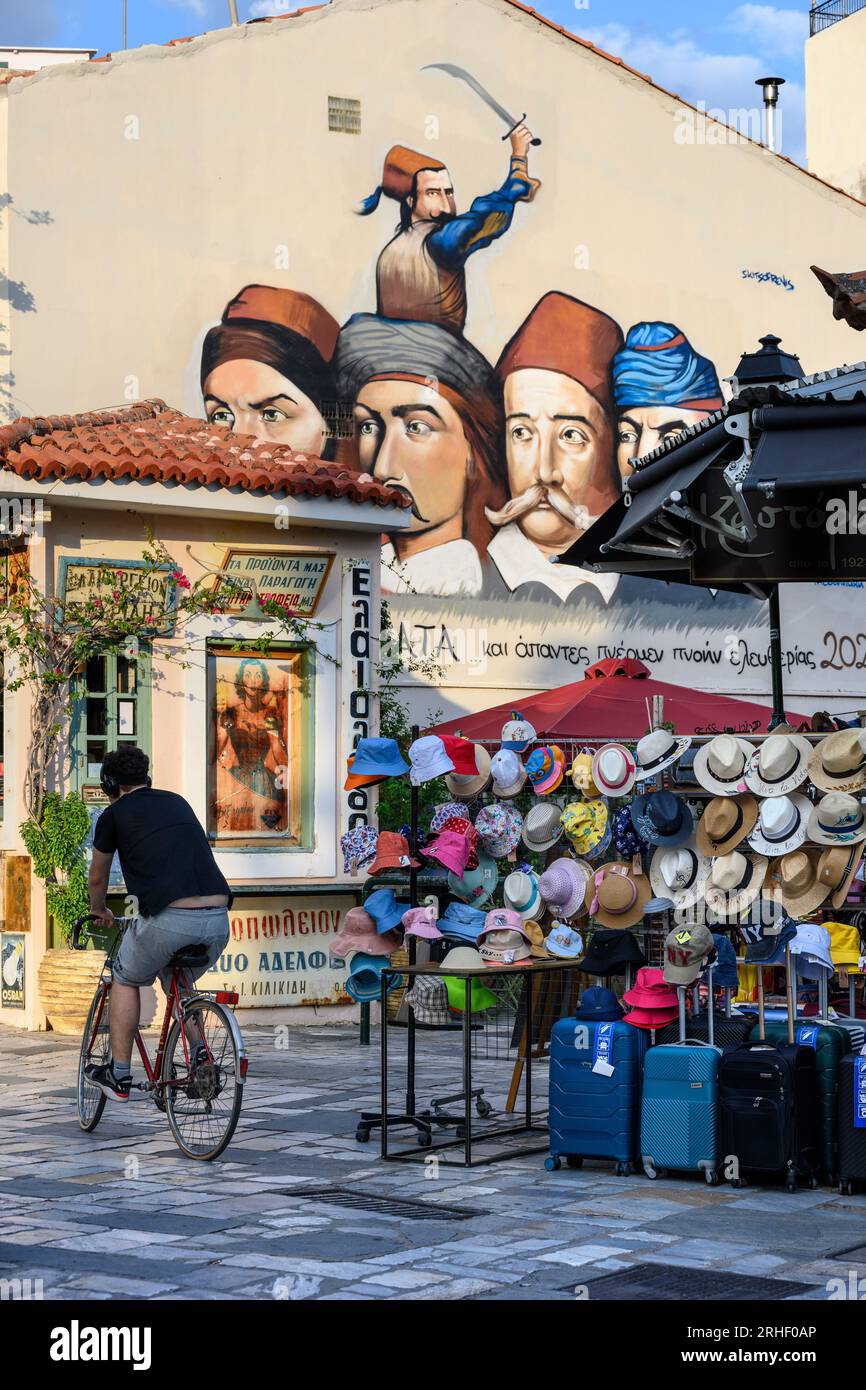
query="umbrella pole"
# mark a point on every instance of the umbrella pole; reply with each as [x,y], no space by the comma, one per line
[778,715]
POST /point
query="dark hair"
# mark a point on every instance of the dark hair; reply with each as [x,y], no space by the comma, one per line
[239,678]
[127,764]
[288,352]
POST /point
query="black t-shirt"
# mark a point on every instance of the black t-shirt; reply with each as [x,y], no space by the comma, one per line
[164,852]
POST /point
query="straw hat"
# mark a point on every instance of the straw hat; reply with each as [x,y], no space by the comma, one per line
[838,819]
[837,867]
[783,825]
[735,881]
[726,822]
[680,875]
[613,770]
[780,765]
[615,896]
[838,764]
[720,765]
[800,889]
[520,892]
[563,886]
[542,827]
[464,788]
[656,751]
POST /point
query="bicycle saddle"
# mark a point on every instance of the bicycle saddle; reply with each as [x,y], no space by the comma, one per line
[189,956]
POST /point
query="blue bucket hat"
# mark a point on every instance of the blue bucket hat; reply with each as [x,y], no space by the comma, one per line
[660,818]
[461,922]
[378,757]
[725,965]
[385,910]
[598,1006]
[475,886]
[364,984]
[625,837]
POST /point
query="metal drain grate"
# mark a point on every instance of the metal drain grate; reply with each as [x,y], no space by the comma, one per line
[384,1206]
[674,1282]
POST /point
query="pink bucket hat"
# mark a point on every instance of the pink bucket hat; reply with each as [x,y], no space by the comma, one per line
[503,940]
[359,934]
[451,850]
[421,921]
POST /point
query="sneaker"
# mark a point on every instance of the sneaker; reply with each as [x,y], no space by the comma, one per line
[104,1080]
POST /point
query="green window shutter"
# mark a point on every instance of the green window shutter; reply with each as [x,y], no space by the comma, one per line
[111,706]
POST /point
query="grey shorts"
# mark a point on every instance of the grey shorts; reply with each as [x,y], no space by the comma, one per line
[150,942]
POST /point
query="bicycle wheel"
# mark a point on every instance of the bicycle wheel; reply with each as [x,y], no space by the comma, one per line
[203,1103]
[96,1051]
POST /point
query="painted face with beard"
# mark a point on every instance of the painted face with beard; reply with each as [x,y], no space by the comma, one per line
[559,446]
[434,197]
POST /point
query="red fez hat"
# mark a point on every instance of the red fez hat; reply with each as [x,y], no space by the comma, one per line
[565,335]
[290,309]
[401,166]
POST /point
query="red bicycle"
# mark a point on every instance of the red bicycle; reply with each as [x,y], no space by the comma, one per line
[197,1077]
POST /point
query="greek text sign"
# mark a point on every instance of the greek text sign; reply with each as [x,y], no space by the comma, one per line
[293,578]
[278,953]
[140,593]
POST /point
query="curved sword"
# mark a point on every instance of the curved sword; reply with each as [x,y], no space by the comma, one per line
[463,76]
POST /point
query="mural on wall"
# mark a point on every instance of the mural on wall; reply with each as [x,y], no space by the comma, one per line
[250,712]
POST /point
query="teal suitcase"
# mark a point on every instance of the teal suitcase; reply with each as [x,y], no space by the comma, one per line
[679,1124]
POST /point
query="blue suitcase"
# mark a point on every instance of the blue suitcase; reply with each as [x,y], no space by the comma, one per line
[591,1114]
[679,1125]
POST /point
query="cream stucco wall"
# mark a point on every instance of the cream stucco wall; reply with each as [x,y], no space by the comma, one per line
[173,176]
[836,109]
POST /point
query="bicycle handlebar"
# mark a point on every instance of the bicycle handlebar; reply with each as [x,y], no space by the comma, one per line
[79,925]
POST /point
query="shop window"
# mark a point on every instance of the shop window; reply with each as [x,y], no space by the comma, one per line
[111,707]
[344,115]
[260,751]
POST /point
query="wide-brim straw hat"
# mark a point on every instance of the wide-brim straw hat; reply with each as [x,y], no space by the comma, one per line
[837,866]
[838,819]
[838,763]
[657,750]
[720,765]
[614,770]
[687,866]
[563,886]
[780,765]
[615,896]
[726,822]
[542,826]
[782,825]
[735,881]
[465,788]
[797,885]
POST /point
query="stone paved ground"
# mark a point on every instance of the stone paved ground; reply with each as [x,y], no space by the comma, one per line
[121,1214]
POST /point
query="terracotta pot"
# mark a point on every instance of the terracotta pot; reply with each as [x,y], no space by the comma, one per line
[67,981]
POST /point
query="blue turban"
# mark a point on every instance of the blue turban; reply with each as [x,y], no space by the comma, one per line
[659,366]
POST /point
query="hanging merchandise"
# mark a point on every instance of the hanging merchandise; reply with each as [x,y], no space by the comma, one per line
[475,886]
[538,941]
[610,952]
[782,826]
[385,910]
[626,840]
[517,733]
[581,775]
[521,892]
[480,997]
[800,890]
[679,876]
[838,763]
[462,754]
[656,751]
[421,922]
[614,770]
[462,825]
[615,896]
[735,882]
[720,765]
[810,950]
[359,847]
[428,760]
[378,757]
[429,999]
[503,939]
[460,922]
[499,829]
[686,952]
[465,787]
[359,934]
[660,818]
[780,765]
[652,1003]
[837,868]
[508,773]
[588,827]
[564,942]
[545,768]
[682,774]
[364,982]
[726,822]
[768,948]
[725,974]
[450,850]
[543,827]
[838,819]
[845,948]
[354,780]
[563,886]
[392,852]
[445,812]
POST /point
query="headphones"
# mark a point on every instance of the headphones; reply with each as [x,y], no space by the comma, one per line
[110,784]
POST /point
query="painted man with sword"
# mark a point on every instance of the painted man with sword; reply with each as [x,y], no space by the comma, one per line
[420,274]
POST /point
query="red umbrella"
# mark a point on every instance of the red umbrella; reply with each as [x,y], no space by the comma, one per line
[611,702]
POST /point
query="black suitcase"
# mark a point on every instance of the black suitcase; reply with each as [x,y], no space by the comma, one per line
[852,1104]
[770,1112]
[728,1031]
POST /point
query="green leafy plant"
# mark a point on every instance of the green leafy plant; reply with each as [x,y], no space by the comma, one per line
[393,809]
[56,843]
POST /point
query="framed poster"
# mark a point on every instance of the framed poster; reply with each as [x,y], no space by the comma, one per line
[254,792]
[12,970]
[149,598]
[294,578]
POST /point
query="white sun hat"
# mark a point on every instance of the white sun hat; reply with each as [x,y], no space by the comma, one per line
[720,765]
[656,751]
[780,765]
[782,826]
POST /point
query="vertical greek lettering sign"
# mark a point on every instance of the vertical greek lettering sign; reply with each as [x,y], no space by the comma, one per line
[357,705]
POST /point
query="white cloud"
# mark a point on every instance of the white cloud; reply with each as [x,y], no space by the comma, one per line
[260,8]
[723,81]
[782,32]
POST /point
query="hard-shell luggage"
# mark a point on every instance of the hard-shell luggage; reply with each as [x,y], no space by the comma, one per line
[729,1030]
[594,1111]
[853,1027]
[679,1126]
[852,1121]
[830,1043]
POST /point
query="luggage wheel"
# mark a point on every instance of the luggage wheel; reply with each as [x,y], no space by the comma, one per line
[651,1170]
[738,1182]
[846,1188]
[791,1182]
[624,1169]
[712,1177]
[362,1134]
[552,1164]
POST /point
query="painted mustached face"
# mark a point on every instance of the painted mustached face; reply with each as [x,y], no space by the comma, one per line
[559,446]
[434,196]
[411,438]
[252,398]
[642,428]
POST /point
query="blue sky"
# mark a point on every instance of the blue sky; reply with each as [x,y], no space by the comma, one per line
[710,52]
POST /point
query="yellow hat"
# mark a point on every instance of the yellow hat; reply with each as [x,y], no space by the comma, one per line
[845,948]
[581,775]
[586,824]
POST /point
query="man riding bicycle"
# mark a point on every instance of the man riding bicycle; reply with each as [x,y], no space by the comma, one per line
[182,899]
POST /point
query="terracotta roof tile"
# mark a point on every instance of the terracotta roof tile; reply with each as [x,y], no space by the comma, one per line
[149,442]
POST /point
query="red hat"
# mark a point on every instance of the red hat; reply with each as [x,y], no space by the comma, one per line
[392,852]
[565,335]
[462,754]
[401,166]
[290,309]
[650,1018]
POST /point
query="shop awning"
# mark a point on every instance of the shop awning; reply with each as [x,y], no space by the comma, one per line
[808,445]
